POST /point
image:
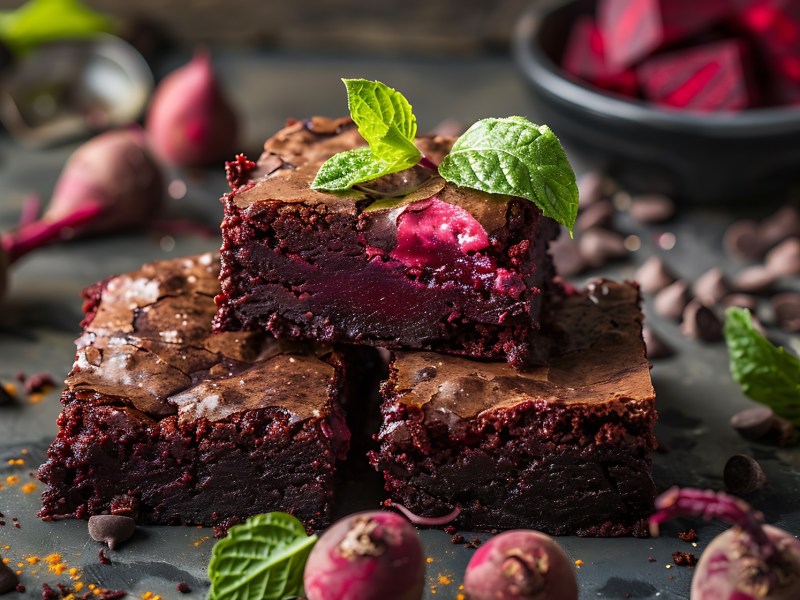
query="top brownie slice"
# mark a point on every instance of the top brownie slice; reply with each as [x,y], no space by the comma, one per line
[445,269]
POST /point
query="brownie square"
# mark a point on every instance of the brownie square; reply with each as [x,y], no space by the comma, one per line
[455,271]
[167,422]
[565,448]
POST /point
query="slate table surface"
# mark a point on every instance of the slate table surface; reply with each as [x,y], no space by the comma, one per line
[40,314]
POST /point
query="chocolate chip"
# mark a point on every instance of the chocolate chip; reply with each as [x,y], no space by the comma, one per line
[743,475]
[743,240]
[711,287]
[8,579]
[671,301]
[598,246]
[111,529]
[741,300]
[591,188]
[753,423]
[652,208]
[784,223]
[599,214]
[786,308]
[753,280]
[653,276]
[567,257]
[700,322]
[784,259]
[655,346]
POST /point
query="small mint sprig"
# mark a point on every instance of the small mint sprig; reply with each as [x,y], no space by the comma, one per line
[765,372]
[510,156]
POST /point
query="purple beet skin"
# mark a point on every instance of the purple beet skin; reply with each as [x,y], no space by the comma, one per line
[520,565]
[707,77]
[366,556]
[633,29]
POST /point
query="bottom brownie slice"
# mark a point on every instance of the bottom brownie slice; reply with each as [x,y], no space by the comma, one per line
[565,449]
[167,422]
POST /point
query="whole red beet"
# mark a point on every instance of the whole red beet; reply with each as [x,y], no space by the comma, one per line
[520,565]
[190,122]
[366,556]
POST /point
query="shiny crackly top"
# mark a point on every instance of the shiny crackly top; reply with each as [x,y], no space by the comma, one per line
[149,345]
[601,361]
[293,156]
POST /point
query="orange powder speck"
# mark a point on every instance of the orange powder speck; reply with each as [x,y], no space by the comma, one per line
[58,568]
[460,596]
[92,586]
[197,543]
[36,398]
[16,461]
[24,451]
[32,559]
[12,480]
[19,572]
[445,580]
[6,561]
[28,487]
[78,586]
[52,559]
[20,564]
[10,388]
[147,596]
[578,562]
[429,560]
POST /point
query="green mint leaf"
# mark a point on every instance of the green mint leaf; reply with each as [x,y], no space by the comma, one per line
[385,120]
[262,559]
[342,171]
[765,372]
[516,157]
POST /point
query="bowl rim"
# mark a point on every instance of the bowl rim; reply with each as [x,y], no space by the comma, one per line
[548,78]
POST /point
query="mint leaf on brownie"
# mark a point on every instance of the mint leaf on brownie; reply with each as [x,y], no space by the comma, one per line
[385,120]
[765,372]
[261,559]
[516,157]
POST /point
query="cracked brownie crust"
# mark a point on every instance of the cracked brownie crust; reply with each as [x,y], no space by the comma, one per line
[565,448]
[173,424]
[456,271]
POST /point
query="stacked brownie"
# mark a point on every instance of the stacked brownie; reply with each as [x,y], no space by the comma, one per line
[509,398]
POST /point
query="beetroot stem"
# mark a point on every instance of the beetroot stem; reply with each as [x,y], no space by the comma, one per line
[427,163]
[707,504]
[40,233]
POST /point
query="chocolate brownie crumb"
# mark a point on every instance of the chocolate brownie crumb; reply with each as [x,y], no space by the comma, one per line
[684,559]
[457,539]
[20,588]
[49,593]
[104,560]
[688,536]
[183,587]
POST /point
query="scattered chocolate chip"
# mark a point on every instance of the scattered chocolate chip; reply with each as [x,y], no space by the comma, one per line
[711,287]
[743,240]
[39,382]
[111,529]
[599,214]
[5,398]
[652,208]
[655,346]
[688,536]
[599,246]
[782,224]
[755,279]
[741,300]
[566,256]
[104,560]
[8,579]
[753,423]
[653,275]
[671,301]
[786,308]
[183,587]
[743,475]
[591,188]
[784,259]
[700,322]
[684,559]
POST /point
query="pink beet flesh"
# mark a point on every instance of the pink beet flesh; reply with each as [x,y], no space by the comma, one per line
[520,565]
[190,122]
[632,29]
[585,58]
[708,77]
[367,556]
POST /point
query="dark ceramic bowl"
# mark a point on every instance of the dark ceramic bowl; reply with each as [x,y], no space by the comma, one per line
[708,157]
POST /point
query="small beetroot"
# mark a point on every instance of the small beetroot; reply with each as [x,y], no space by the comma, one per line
[366,556]
[750,561]
[520,565]
[190,122]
